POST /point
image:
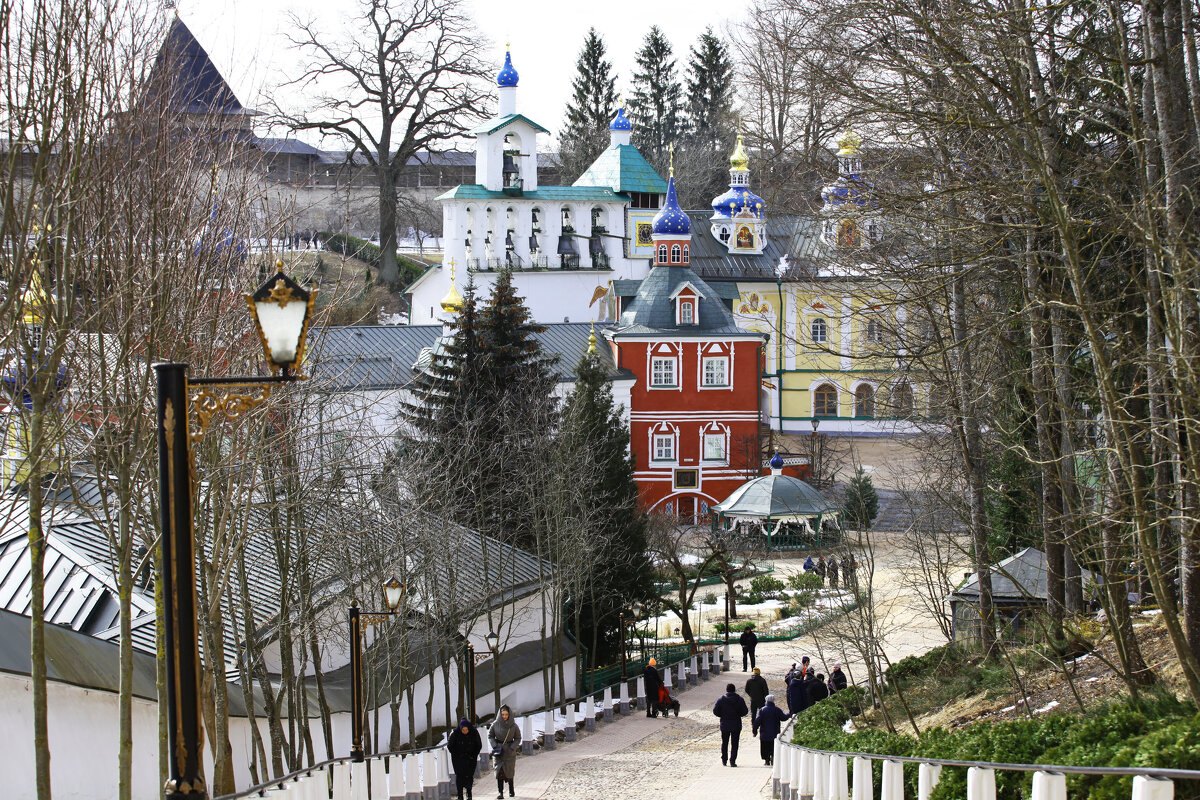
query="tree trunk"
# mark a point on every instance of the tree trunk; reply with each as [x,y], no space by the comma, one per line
[37,599]
[389,271]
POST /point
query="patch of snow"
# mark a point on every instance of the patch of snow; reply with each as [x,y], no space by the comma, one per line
[849,727]
[1154,612]
[1046,707]
[1091,680]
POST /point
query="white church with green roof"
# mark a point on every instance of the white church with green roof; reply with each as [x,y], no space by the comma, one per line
[564,244]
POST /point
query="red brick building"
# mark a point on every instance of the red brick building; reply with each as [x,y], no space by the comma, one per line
[694,406]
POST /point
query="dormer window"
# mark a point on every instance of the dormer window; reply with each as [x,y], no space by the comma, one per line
[676,254]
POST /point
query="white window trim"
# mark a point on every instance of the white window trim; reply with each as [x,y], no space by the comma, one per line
[713,429]
[679,304]
[812,322]
[665,430]
[704,359]
[654,453]
[674,359]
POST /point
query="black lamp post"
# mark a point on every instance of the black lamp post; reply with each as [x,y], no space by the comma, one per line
[393,595]
[473,660]
[493,643]
[281,309]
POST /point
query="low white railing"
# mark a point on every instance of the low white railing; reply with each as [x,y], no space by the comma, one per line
[801,773]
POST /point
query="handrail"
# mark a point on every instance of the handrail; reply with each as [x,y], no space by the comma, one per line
[261,788]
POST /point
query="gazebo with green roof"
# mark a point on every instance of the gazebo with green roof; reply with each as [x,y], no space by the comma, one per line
[784,501]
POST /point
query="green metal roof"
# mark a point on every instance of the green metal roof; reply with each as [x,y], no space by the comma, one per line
[550,194]
[776,497]
[499,122]
[625,169]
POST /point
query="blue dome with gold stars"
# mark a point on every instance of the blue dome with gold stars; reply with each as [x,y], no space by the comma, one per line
[507,76]
[670,219]
[735,199]
[621,122]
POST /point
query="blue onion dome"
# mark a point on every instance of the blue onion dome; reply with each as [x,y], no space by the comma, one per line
[507,76]
[15,380]
[670,219]
[620,121]
[735,199]
[776,461]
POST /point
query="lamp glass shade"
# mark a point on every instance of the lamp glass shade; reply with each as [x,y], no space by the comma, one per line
[637,609]
[393,593]
[281,309]
[493,641]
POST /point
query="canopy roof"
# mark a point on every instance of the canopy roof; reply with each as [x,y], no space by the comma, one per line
[1018,577]
[776,497]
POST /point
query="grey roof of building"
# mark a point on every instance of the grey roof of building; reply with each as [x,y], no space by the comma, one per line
[797,237]
[776,497]
[1018,577]
[287,146]
[382,357]
[652,311]
[186,75]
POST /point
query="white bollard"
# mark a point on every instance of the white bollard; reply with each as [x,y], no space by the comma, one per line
[358,781]
[589,714]
[863,779]
[607,708]
[802,777]
[725,659]
[571,712]
[527,736]
[1147,788]
[341,781]
[694,675]
[820,773]
[667,677]
[412,777]
[893,781]
[785,771]
[379,781]
[928,776]
[775,767]
[443,772]
[683,681]
[548,729]
[838,789]
[429,779]
[640,692]
[624,699]
[1049,786]
[981,783]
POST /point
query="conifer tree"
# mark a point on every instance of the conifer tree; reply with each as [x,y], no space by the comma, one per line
[593,432]
[656,101]
[593,104]
[862,502]
[710,122]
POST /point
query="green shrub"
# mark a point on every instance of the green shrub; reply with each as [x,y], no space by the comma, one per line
[804,580]
[766,585]
[710,599]
[753,598]
[368,253]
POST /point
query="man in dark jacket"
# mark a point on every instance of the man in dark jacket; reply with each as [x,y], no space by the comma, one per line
[748,641]
[730,708]
[833,572]
[770,721]
[819,568]
[652,681]
[757,691]
[464,746]
[817,690]
[797,695]
[837,678]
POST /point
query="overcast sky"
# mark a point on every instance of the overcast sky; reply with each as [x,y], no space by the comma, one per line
[246,39]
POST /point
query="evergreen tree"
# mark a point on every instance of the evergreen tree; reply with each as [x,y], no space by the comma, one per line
[593,104]
[710,122]
[593,433]
[655,105]
[862,503]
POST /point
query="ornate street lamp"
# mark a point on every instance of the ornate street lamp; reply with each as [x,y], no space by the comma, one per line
[393,596]
[493,643]
[281,318]
[473,660]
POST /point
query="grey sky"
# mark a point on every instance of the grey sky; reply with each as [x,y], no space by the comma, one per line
[246,39]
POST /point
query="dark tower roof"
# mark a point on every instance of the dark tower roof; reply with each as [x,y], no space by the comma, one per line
[652,309]
[184,72]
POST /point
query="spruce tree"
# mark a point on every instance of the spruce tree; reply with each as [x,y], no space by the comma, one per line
[710,122]
[593,104]
[655,105]
[862,503]
[593,433]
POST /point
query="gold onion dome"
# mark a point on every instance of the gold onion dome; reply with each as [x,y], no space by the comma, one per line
[591,351]
[739,160]
[849,143]
[34,301]
[453,301]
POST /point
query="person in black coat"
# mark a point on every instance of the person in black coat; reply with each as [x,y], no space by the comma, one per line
[652,681]
[770,722]
[748,641]
[837,678]
[797,695]
[817,690]
[757,691]
[730,708]
[464,746]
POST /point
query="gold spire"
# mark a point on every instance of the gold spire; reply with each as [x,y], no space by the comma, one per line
[848,143]
[672,165]
[453,301]
[739,160]
[592,351]
[34,301]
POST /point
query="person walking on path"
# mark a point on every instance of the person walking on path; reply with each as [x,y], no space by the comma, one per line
[464,746]
[797,695]
[748,641]
[833,572]
[770,721]
[791,673]
[652,681]
[730,708]
[757,691]
[837,678]
[809,565]
[819,568]
[505,737]
[817,690]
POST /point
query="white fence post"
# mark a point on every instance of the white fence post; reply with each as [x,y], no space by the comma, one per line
[928,776]
[1147,788]
[412,777]
[443,772]
[358,781]
[341,781]
[839,789]
[785,771]
[589,714]
[429,779]
[667,677]
[802,779]
[863,786]
[548,729]
[571,712]
[683,673]
[892,787]
[379,784]
[820,776]
[624,698]
[775,767]
[981,783]
[607,708]
[527,735]
[640,693]
[1049,786]
[694,675]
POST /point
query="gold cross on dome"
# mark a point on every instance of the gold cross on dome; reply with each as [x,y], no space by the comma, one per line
[281,293]
[452,265]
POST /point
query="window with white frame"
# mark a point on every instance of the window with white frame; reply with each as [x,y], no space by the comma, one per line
[714,447]
[819,330]
[664,447]
[662,371]
[687,312]
[675,251]
[686,253]
[874,332]
[662,254]
[716,371]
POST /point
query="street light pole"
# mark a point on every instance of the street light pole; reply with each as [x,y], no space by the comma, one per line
[624,643]
[393,595]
